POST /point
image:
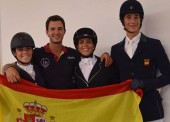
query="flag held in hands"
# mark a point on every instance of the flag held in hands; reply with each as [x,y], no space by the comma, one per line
[26,102]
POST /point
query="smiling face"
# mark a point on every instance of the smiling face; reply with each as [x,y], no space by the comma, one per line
[23,54]
[85,46]
[132,23]
[55,32]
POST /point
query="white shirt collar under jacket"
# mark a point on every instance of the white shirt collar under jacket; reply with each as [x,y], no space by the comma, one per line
[28,68]
[131,45]
[86,65]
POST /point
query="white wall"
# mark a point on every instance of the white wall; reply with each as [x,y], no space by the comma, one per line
[101,15]
[30,16]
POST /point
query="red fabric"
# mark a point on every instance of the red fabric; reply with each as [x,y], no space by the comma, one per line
[71,93]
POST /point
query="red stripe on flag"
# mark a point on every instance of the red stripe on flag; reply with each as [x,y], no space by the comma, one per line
[30,88]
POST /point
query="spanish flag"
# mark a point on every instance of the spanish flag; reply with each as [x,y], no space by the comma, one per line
[26,102]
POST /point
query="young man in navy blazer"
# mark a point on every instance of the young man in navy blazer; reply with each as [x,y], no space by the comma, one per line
[139,57]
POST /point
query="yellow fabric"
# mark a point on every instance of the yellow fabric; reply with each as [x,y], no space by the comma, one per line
[121,107]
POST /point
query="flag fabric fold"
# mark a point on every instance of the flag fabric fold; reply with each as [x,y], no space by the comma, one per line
[26,102]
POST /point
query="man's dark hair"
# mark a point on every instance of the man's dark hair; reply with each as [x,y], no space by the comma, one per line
[55,18]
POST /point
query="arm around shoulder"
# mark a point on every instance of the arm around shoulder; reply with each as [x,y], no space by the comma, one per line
[6,66]
[107,59]
[11,73]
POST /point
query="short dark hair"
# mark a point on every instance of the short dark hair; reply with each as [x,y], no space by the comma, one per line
[55,18]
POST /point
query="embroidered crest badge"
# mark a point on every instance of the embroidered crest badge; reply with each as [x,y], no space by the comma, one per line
[45,62]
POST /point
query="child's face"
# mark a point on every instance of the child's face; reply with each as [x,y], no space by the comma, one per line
[85,46]
[24,54]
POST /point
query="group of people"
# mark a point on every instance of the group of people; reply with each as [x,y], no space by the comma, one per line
[56,66]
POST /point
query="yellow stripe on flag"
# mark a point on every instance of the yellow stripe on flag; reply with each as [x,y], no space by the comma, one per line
[82,105]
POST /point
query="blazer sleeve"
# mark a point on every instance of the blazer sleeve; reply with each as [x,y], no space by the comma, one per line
[163,66]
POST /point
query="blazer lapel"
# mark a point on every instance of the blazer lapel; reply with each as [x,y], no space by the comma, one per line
[142,42]
[95,69]
[122,45]
[78,72]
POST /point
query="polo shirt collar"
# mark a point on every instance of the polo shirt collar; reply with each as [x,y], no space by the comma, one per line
[47,48]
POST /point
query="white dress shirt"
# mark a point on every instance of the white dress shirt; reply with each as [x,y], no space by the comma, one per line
[86,65]
[28,68]
[131,45]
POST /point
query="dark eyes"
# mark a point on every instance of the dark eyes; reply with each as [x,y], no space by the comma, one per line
[56,28]
[132,16]
[24,48]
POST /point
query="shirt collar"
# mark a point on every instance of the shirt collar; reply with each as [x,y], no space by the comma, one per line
[91,59]
[135,40]
[47,48]
[25,67]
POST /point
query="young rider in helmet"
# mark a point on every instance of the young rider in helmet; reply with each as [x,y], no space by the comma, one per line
[138,57]
[90,71]
[22,46]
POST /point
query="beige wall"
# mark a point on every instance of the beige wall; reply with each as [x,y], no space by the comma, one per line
[101,15]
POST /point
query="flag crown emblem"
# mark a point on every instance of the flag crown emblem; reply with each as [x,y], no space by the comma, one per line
[34,112]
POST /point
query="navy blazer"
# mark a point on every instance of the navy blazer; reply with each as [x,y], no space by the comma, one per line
[148,58]
[99,76]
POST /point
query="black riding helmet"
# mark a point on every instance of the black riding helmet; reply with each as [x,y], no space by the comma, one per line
[19,40]
[22,39]
[131,6]
[84,32]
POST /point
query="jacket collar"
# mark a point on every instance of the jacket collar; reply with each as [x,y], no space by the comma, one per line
[142,42]
[95,69]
